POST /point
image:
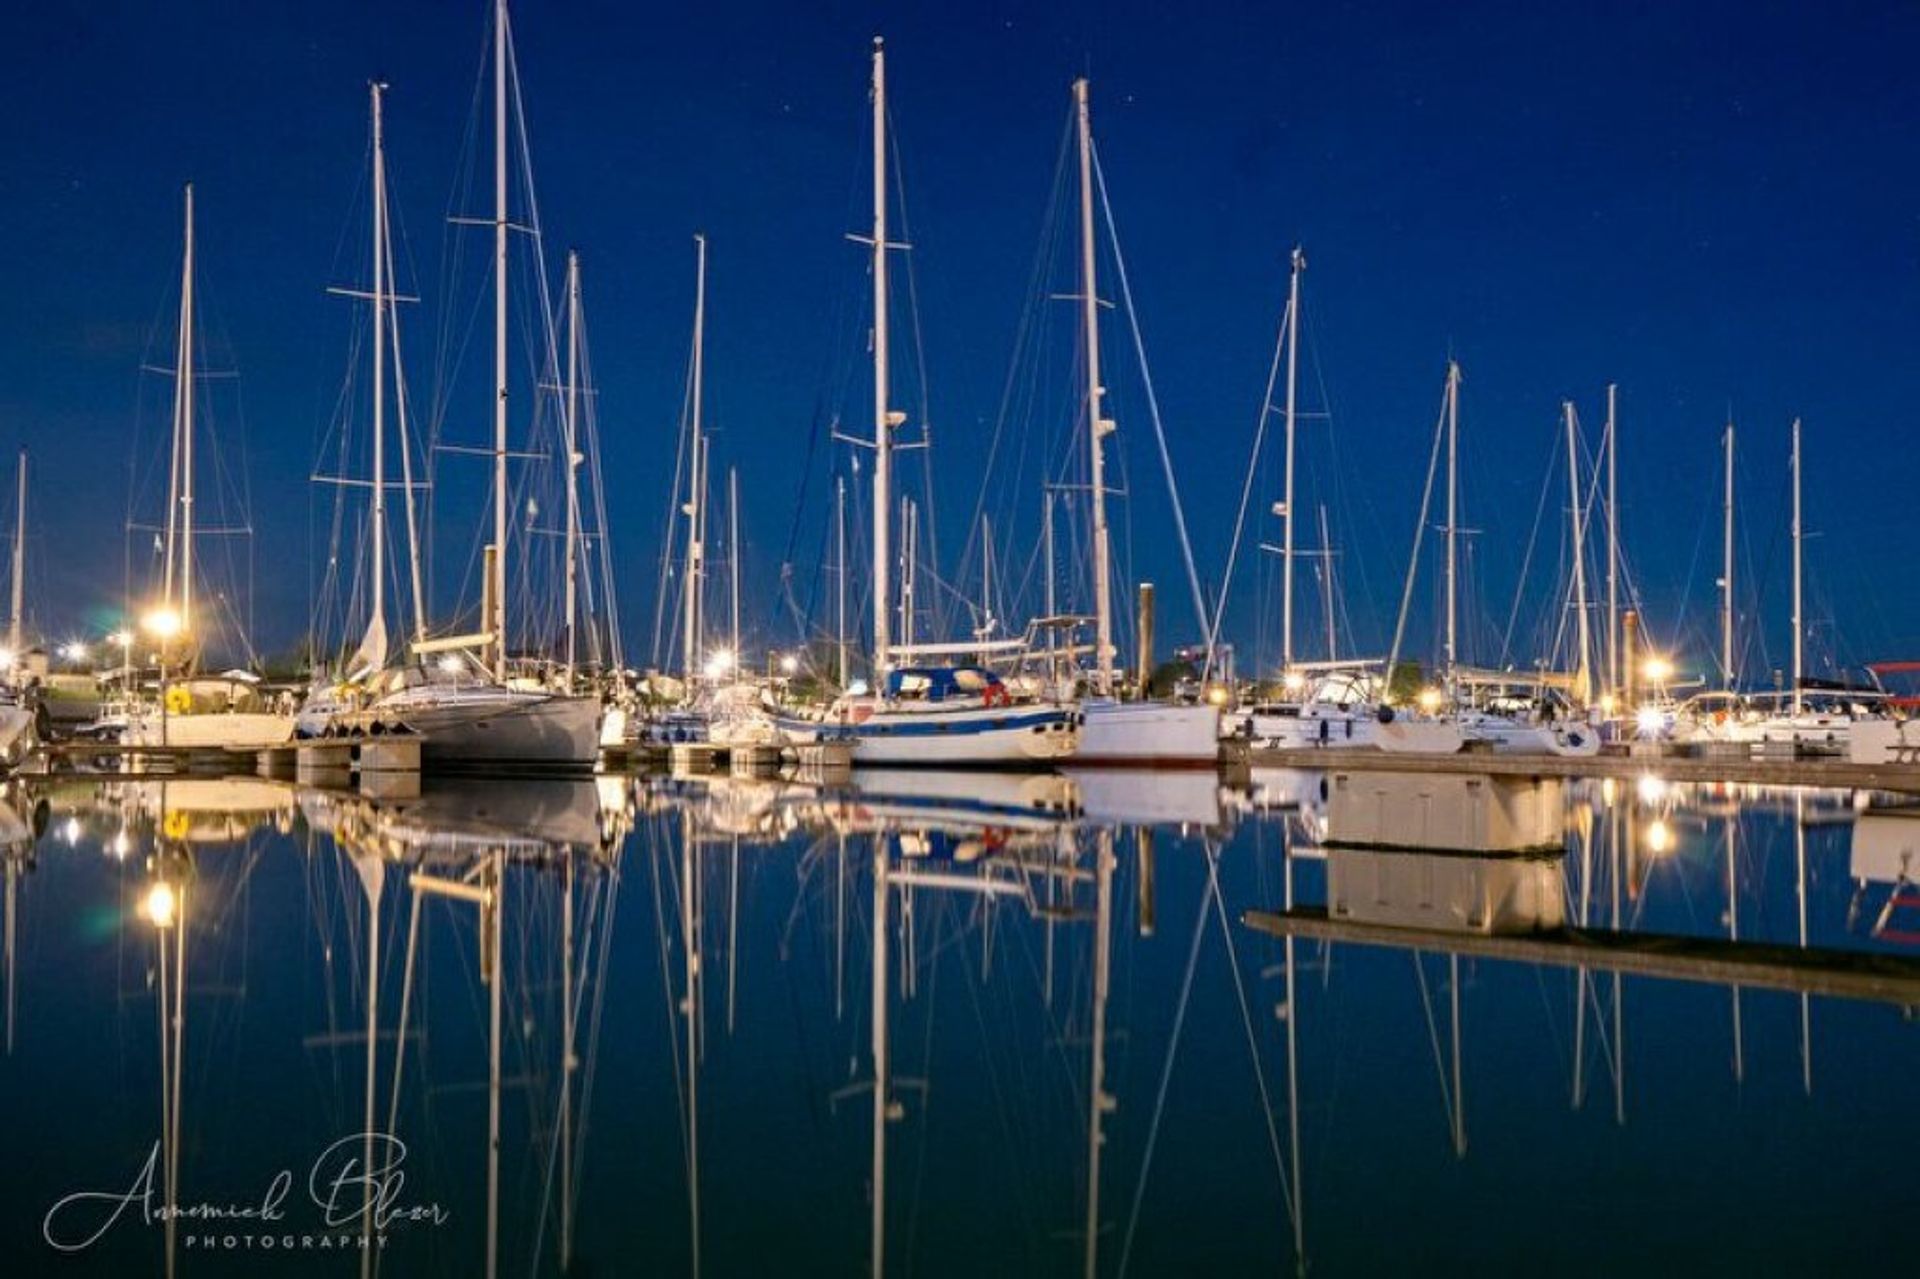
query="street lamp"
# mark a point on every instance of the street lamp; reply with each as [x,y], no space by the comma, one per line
[163,624]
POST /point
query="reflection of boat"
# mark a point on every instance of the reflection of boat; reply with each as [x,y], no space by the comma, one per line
[1136,797]
[902,798]
[454,818]
[210,810]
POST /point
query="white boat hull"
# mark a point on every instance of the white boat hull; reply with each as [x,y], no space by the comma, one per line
[1136,733]
[498,729]
[1515,737]
[980,737]
[218,730]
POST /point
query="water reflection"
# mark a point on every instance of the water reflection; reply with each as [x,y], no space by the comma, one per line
[1112,1023]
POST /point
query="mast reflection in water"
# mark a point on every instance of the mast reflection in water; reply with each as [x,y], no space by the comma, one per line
[953,1024]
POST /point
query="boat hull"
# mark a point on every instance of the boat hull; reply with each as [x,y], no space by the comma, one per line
[1133,734]
[513,730]
[977,737]
[223,730]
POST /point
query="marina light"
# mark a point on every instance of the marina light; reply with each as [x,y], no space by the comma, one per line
[1293,681]
[161,623]
[449,665]
[1658,670]
[160,905]
[789,664]
[1607,703]
[1429,700]
[6,659]
[124,638]
[719,663]
[1217,695]
[1650,720]
[74,651]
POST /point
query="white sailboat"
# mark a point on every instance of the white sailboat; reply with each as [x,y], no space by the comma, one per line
[225,711]
[469,713]
[21,718]
[1117,732]
[922,714]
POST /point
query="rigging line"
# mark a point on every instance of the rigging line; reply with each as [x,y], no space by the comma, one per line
[1246,488]
[1253,1043]
[1433,1035]
[1419,532]
[898,173]
[1526,561]
[1153,408]
[1166,1076]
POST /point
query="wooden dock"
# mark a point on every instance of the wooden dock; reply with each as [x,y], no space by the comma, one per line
[1763,771]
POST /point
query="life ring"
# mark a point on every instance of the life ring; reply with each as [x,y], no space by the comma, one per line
[179,700]
[996,695]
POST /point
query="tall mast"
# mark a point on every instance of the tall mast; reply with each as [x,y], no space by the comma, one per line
[573,458]
[690,640]
[183,425]
[1453,512]
[1286,536]
[19,562]
[1581,672]
[1613,545]
[840,521]
[498,622]
[1799,622]
[376,622]
[883,417]
[733,558]
[1097,425]
[1726,568]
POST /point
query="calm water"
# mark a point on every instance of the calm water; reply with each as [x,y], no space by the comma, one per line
[953,1026]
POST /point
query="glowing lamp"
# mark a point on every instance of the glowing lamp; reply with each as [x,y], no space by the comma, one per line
[161,905]
[789,664]
[161,623]
[1658,670]
[1650,720]
[1429,700]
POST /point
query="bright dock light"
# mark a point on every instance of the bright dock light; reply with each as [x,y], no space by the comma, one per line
[1429,700]
[161,623]
[160,905]
[1658,670]
[719,663]
[74,651]
[789,664]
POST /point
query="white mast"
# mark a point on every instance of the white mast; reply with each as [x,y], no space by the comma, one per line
[183,433]
[1726,568]
[840,521]
[1097,425]
[573,458]
[733,558]
[884,419]
[1799,621]
[1328,593]
[690,641]
[498,622]
[1613,546]
[377,620]
[1582,681]
[19,563]
[1286,536]
[1453,511]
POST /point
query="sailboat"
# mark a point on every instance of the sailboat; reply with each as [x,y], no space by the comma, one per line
[469,713]
[225,711]
[1116,731]
[22,720]
[923,714]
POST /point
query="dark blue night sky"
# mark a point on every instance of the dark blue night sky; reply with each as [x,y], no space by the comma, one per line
[1713,205]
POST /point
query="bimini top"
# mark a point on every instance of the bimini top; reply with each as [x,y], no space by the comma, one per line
[937,683]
